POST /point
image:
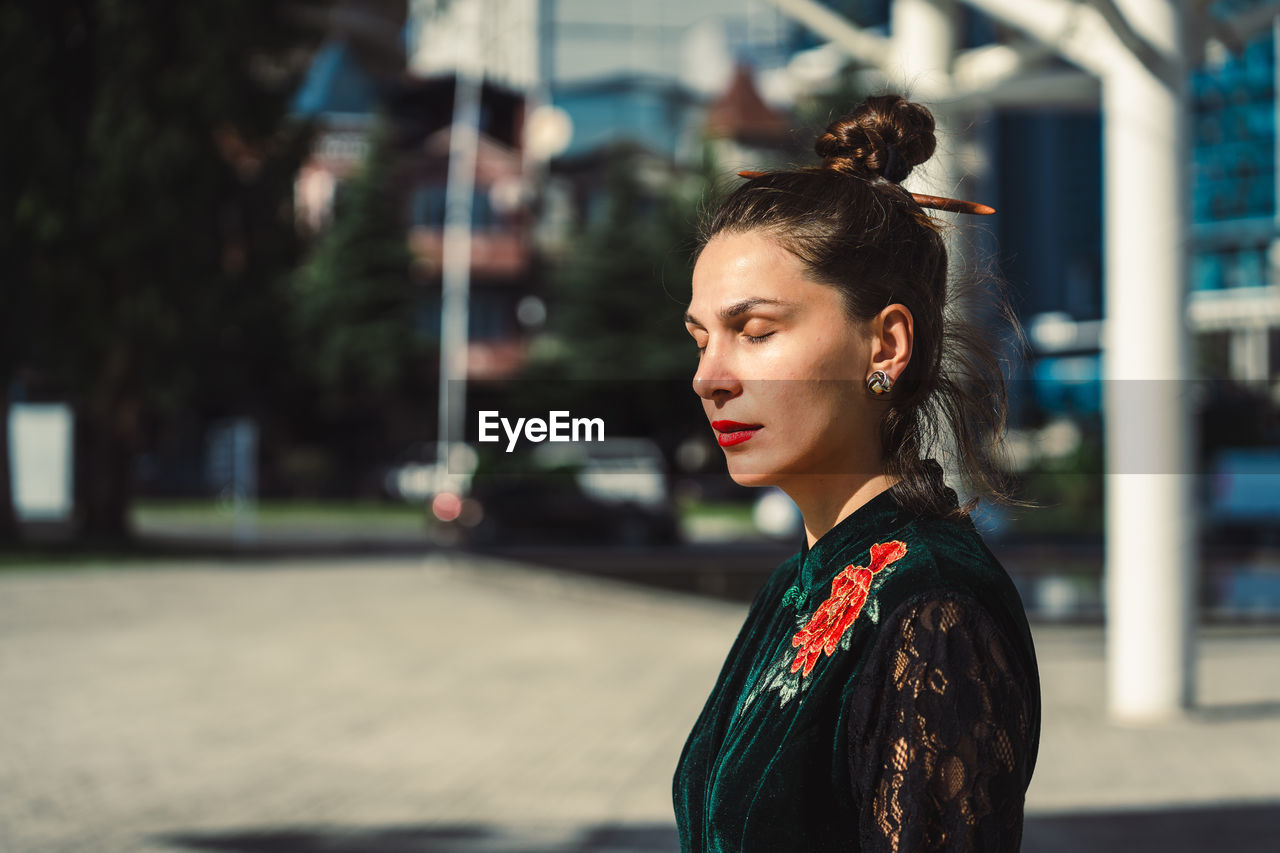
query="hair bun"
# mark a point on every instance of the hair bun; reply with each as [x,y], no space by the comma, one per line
[885,135]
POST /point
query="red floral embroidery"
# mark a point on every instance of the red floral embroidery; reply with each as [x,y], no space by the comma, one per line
[835,615]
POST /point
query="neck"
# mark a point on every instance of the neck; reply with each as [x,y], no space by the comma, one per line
[826,501]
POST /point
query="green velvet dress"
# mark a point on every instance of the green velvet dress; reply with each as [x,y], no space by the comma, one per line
[882,695]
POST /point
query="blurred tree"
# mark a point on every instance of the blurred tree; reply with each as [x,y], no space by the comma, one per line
[353,304]
[367,374]
[147,178]
[615,325]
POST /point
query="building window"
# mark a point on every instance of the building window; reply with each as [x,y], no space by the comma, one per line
[427,208]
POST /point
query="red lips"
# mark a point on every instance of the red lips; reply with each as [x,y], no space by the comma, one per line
[729,433]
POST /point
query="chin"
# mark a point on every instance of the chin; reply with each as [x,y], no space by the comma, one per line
[755,481]
[753,475]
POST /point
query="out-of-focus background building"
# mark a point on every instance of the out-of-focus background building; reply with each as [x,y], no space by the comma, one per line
[225,251]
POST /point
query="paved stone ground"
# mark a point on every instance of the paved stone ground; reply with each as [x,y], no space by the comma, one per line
[473,707]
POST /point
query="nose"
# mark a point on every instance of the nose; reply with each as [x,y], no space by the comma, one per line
[715,378]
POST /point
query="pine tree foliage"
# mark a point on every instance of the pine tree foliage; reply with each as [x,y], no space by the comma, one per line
[618,298]
[354,303]
[615,342]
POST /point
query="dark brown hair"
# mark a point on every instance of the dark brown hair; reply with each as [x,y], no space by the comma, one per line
[856,229]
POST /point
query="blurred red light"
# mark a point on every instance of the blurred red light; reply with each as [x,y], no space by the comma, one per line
[446,506]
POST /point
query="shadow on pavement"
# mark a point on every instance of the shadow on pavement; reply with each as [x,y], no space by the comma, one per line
[466,838]
[1239,712]
[1220,829]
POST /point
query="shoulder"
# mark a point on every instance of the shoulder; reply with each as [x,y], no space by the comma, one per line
[949,574]
[944,557]
[937,623]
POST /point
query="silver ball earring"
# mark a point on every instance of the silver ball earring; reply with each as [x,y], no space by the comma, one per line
[879,382]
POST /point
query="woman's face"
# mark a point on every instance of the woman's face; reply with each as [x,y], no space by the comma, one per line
[782,368]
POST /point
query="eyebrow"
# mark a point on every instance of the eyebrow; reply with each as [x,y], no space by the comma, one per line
[728,312]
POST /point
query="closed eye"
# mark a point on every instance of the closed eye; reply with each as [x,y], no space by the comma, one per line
[755,339]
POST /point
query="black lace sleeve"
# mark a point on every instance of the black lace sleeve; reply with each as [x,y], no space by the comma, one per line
[943,731]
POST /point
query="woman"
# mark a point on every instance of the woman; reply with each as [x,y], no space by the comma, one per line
[883,692]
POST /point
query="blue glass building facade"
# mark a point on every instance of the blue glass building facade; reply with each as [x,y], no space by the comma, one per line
[1233,168]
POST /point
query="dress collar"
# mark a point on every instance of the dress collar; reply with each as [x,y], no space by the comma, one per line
[851,538]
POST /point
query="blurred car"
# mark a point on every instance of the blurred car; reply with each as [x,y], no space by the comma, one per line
[415,477]
[612,492]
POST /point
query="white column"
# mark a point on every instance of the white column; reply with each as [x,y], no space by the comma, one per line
[923,52]
[923,37]
[1152,547]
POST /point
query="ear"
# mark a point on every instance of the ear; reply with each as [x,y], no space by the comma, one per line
[891,336]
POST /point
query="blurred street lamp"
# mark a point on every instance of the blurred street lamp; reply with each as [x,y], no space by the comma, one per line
[547,132]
